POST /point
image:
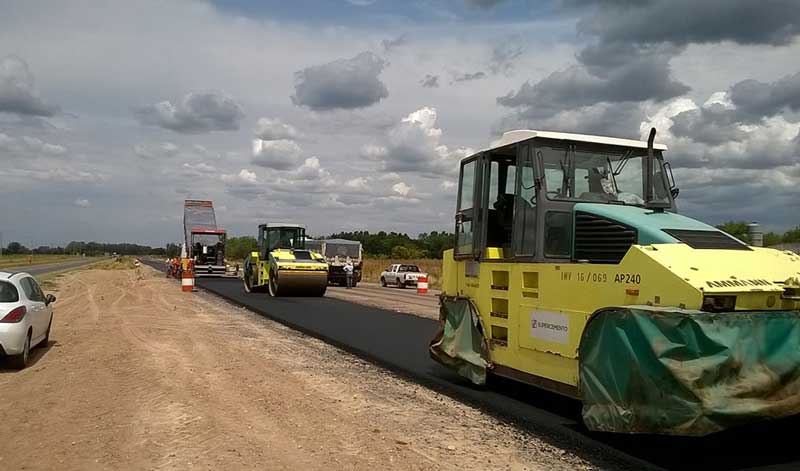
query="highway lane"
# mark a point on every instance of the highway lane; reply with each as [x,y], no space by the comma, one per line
[50,267]
[399,342]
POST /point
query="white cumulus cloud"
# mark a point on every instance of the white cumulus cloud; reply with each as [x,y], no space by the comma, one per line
[282,154]
[414,145]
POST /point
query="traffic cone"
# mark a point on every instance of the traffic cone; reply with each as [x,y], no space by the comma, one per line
[422,285]
[187,276]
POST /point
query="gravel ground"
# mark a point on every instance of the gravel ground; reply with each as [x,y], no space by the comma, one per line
[141,376]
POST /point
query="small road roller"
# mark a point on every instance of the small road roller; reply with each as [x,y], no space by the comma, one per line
[283,266]
[573,271]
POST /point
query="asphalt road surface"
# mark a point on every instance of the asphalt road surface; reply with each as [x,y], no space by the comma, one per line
[49,267]
[399,342]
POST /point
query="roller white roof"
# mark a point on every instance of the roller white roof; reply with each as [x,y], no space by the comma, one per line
[519,135]
[284,224]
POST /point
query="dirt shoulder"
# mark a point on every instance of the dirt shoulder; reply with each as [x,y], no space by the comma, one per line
[139,375]
[394,299]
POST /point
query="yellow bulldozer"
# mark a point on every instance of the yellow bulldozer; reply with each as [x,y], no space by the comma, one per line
[572,271]
[282,265]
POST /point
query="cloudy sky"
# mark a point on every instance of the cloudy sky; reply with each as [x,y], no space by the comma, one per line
[353,114]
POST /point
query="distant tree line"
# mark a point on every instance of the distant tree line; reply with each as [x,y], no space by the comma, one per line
[738,229]
[399,245]
[87,248]
[380,244]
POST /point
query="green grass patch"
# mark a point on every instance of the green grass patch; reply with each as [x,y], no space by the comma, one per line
[24,260]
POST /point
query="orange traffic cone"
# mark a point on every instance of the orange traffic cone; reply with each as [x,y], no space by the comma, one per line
[187,276]
[422,285]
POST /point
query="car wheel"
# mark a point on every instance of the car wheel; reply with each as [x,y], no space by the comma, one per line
[399,283]
[383,282]
[21,361]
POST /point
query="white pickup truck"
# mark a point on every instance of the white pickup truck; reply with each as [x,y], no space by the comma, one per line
[401,275]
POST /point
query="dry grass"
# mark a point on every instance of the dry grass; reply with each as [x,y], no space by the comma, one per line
[21,260]
[50,281]
[374,266]
[118,263]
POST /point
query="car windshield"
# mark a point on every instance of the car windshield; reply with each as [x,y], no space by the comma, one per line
[614,175]
[206,239]
[8,293]
[410,268]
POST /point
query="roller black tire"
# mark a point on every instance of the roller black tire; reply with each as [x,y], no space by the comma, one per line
[247,278]
[20,361]
[246,283]
[383,282]
[274,289]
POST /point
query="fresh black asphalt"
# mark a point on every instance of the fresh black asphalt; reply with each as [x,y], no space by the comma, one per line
[399,342]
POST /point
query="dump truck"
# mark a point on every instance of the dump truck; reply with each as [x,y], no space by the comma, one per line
[572,271]
[205,242]
[283,265]
[337,253]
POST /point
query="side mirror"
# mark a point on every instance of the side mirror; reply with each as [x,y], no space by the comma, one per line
[49,299]
[675,192]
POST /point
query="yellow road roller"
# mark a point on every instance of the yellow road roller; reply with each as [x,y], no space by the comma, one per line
[283,266]
[572,271]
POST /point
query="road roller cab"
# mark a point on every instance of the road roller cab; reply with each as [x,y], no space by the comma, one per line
[572,271]
[283,266]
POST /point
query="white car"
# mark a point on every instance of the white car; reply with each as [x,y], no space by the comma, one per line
[25,316]
[401,275]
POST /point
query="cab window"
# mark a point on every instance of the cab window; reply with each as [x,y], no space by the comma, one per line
[500,184]
[465,213]
[525,209]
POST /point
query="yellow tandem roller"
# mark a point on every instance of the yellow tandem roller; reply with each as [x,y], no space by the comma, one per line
[283,266]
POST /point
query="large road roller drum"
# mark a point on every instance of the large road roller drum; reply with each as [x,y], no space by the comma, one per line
[298,283]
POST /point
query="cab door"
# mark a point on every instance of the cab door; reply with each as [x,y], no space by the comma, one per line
[467,218]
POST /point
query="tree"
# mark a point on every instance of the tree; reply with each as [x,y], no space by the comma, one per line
[400,252]
[792,236]
[172,250]
[237,248]
[737,229]
[771,238]
[16,248]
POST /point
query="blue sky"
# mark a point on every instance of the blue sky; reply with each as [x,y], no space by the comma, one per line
[344,117]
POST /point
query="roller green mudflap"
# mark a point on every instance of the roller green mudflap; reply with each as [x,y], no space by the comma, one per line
[680,372]
[460,343]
